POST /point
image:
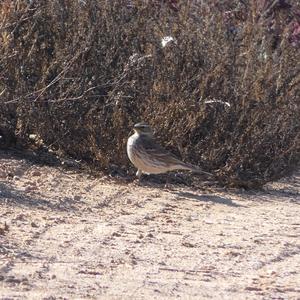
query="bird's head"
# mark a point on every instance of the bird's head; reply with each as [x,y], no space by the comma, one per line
[143,129]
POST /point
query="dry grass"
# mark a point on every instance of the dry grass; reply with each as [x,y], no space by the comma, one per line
[68,76]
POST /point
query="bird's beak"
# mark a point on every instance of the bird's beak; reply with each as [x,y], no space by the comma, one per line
[131,132]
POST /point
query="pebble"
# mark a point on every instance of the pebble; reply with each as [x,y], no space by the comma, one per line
[34,225]
[30,188]
[77,198]
[36,173]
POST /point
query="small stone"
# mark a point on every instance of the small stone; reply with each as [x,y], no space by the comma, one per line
[21,217]
[134,262]
[149,217]
[36,173]
[188,245]
[116,234]
[34,225]
[30,188]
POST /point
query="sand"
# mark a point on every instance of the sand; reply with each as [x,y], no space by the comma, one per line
[67,235]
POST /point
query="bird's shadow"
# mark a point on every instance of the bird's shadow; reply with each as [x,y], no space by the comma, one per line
[208,198]
[167,178]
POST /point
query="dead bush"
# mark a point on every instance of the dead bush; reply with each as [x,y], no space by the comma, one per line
[79,74]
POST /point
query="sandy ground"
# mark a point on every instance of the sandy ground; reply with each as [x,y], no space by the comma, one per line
[66,235]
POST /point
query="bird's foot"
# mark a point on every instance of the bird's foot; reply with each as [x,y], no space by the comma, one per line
[139,180]
[168,186]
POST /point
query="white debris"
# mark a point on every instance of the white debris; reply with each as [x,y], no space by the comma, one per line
[167,39]
[32,136]
[217,101]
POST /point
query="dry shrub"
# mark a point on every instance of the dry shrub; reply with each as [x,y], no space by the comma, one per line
[79,74]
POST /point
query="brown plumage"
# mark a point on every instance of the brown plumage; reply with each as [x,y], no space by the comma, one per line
[151,158]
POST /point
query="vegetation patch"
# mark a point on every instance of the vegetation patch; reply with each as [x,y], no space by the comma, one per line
[219,83]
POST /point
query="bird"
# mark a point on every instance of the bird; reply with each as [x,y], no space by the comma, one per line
[149,157]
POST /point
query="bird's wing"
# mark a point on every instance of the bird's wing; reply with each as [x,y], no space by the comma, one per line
[152,148]
[155,150]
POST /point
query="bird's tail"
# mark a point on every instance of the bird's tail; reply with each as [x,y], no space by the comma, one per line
[195,169]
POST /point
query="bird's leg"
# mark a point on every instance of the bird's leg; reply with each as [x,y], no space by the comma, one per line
[167,185]
[139,181]
[139,174]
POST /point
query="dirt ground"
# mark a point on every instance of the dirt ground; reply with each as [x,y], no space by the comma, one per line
[65,234]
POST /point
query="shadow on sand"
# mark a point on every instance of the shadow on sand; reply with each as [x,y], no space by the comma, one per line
[13,197]
[208,198]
